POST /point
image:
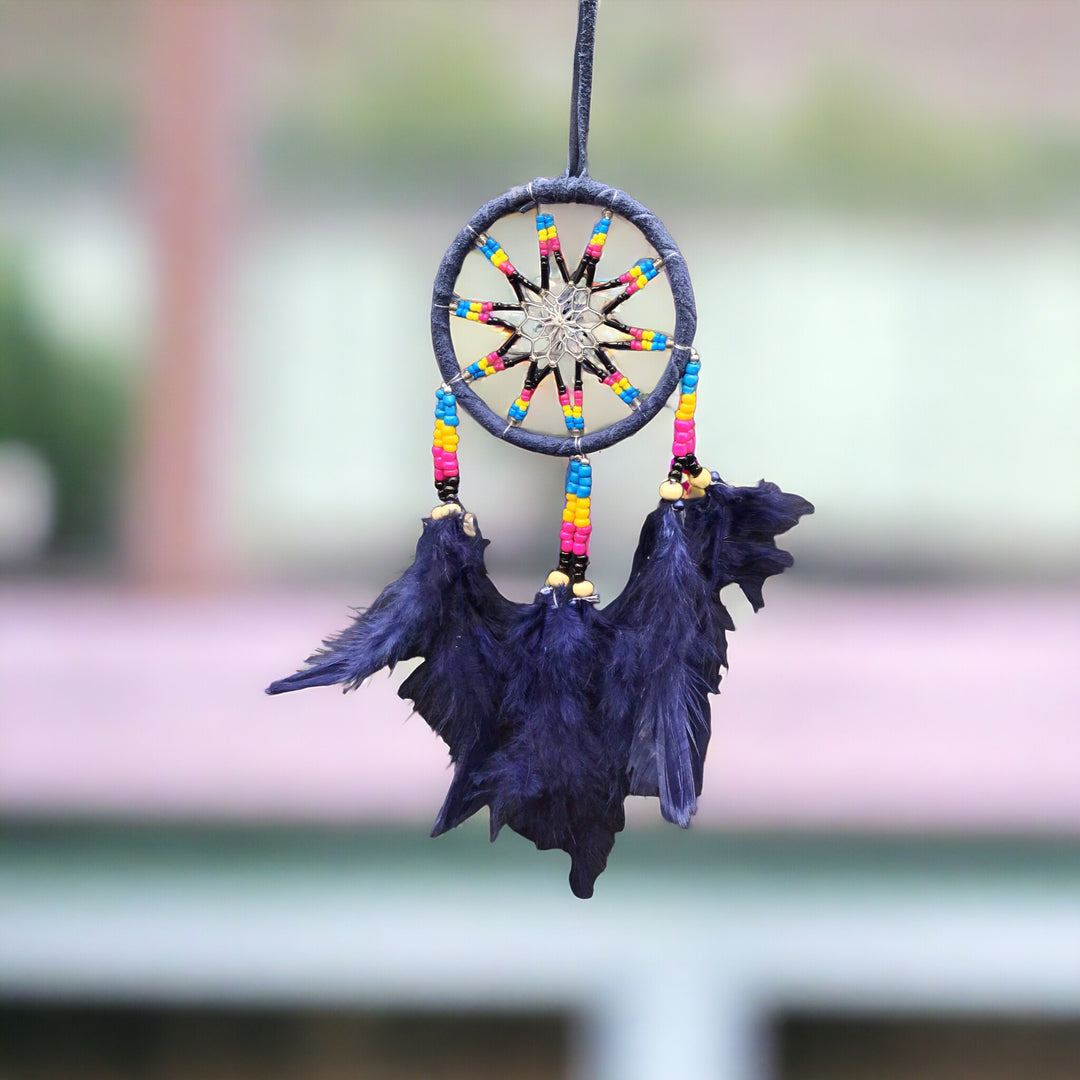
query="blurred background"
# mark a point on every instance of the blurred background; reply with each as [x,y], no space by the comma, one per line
[219,223]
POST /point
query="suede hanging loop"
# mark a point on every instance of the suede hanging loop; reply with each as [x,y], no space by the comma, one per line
[581,91]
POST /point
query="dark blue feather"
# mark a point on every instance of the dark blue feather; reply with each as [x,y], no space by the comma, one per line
[666,643]
[459,688]
[403,622]
[734,530]
[559,776]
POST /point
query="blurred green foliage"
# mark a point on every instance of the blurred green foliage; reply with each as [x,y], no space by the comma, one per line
[57,124]
[70,406]
[398,104]
[847,142]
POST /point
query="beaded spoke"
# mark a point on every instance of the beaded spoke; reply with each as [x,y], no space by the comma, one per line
[593,250]
[520,408]
[558,320]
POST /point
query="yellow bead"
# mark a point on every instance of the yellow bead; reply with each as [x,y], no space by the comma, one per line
[557,578]
[568,515]
[671,491]
[583,588]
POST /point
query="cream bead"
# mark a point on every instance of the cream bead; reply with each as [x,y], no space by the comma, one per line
[445,510]
[671,490]
[557,578]
[583,588]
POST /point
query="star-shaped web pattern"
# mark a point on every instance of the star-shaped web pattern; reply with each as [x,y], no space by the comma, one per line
[562,328]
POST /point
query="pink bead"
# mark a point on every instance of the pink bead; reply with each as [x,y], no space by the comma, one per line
[581,549]
[683,425]
[584,530]
[566,545]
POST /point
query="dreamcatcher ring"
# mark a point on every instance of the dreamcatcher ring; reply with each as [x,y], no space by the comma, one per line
[541,297]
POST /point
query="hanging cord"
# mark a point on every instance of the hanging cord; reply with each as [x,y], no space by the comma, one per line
[581,94]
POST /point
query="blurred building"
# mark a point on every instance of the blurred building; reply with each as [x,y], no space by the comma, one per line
[218,226]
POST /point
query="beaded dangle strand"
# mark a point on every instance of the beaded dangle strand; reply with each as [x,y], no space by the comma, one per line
[575,531]
[687,478]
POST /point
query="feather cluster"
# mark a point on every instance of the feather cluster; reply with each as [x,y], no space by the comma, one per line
[555,711]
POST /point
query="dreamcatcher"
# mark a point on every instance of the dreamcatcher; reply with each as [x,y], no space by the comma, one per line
[555,711]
